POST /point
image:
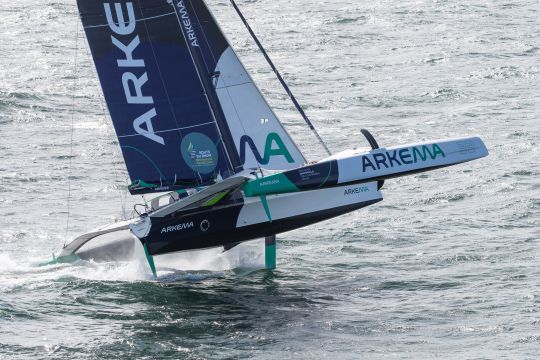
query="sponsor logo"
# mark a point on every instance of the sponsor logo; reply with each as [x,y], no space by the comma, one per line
[201,157]
[356,190]
[269,183]
[307,174]
[205,225]
[162,188]
[274,147]
[123,26]
[407,156]
[200,153]
[179,227]
[186,23]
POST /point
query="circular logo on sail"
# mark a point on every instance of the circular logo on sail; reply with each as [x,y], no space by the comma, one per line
[199,153]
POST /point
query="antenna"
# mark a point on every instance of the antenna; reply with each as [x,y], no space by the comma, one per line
[280,78]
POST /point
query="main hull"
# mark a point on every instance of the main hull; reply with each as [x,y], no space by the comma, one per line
[244,219]
[247,207]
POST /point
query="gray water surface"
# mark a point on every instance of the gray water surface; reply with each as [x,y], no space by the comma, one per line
[446,267]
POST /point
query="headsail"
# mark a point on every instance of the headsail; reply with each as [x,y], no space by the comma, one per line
[258,135]
[184,108]
[280,78]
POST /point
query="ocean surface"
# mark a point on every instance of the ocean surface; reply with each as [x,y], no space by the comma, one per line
[446,267]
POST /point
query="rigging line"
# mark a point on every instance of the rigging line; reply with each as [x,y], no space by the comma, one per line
[226,86]
[280,78]
[251,81]
[75,77]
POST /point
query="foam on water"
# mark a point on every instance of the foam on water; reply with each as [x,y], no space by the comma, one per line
[195,265]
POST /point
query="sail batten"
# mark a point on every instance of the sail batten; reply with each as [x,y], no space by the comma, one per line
[175,129]
[183,106]
[138,20]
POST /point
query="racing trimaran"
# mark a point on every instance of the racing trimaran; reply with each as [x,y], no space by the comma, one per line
[194,128]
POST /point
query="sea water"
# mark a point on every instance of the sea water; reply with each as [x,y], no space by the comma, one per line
[446,267]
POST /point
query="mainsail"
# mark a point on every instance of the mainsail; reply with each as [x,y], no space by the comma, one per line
[184,108]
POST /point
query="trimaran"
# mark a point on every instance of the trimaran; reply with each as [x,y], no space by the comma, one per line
[194,128]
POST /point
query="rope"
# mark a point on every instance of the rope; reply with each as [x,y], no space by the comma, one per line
[280,78]
[75,77]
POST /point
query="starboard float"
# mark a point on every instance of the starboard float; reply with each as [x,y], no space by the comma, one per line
[194,127]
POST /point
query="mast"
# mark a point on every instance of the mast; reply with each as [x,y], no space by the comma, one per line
[182,9]
[281,80]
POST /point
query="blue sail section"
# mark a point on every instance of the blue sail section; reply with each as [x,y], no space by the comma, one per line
[165,123]
[198,33]
[211,40]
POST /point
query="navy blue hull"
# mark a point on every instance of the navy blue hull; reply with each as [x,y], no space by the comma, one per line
[217,227]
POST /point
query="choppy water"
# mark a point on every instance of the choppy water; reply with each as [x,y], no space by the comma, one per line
[446,267]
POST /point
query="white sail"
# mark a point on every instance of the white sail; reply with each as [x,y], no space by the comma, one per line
[250,117]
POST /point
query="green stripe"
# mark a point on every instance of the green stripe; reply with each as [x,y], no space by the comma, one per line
[150,261]
[142,184]
[266,207]
[214,200]
[270,256]
[273,184]
[69,259]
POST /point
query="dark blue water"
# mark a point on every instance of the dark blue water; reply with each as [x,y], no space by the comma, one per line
[446,267]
